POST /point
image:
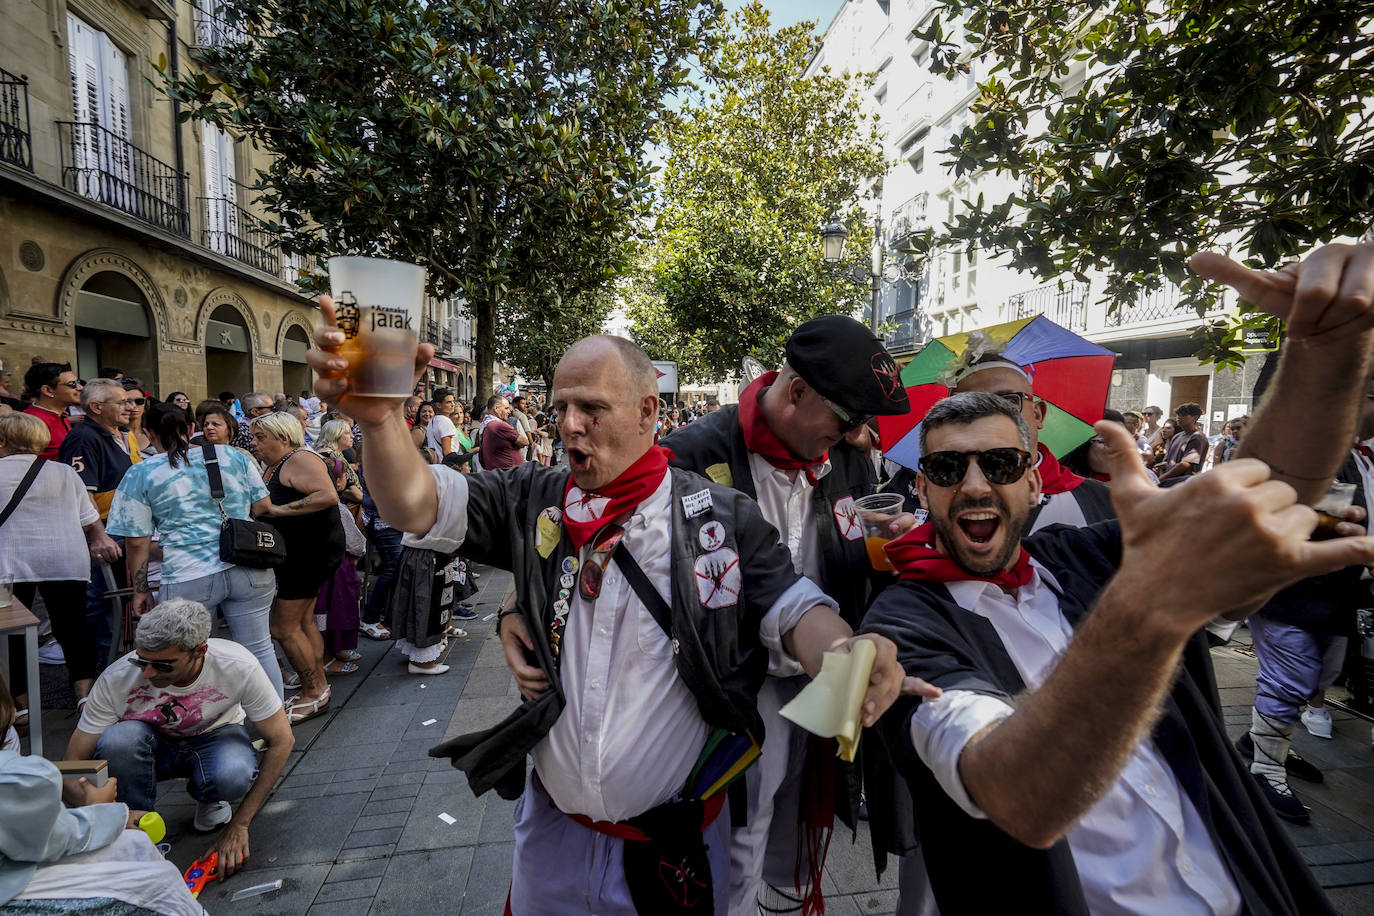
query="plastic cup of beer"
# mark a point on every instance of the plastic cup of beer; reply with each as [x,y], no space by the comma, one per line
[378,305]
[876,513]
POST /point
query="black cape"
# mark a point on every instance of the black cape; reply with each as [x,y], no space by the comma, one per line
[976,868]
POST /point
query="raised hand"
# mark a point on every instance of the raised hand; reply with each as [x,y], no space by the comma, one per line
[1250,526]
[331,372]
[1325,297]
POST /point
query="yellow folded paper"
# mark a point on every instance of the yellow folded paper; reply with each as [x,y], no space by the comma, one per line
[832,704]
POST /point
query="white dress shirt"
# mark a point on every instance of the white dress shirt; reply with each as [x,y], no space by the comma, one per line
[1142,848]
[631,731]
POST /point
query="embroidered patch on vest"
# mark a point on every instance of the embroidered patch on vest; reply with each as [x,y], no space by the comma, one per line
[718,578]
[720,473]
[847,520]
[584,507]
[712,535]
[694,504]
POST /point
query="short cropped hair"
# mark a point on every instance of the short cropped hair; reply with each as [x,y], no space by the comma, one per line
[282,425]
[178,622]
[99,390]
[24,433]
[969,407]
[1188,410]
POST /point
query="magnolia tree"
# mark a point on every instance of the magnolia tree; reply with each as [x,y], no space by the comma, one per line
[498,143]
[1140,133]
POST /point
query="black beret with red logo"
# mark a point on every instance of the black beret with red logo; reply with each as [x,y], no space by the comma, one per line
[847,364]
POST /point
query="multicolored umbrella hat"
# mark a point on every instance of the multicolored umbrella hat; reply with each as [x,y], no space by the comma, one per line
[1068,373]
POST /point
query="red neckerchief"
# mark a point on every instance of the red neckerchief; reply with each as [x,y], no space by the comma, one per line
[1105,478]
[1054,477]
[584,513]
[914,558]
[762,441]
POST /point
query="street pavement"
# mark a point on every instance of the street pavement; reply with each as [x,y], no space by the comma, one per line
[355,824]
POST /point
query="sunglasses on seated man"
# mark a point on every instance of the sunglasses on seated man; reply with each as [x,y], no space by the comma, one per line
[165,667]
[1000,466]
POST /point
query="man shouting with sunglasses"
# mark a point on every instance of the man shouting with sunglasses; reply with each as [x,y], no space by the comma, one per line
[652,604]
[784,447]
[1074,756]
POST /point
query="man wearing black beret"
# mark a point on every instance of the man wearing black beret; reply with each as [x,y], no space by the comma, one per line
[784,445]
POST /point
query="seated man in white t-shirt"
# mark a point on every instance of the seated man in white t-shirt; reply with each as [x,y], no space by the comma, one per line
[175,707]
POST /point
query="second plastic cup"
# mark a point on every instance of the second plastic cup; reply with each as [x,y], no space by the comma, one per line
[876,513]
[378,304]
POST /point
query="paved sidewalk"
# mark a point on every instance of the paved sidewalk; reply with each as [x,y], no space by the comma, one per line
[354,825]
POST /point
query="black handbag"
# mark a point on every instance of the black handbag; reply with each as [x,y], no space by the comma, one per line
[242,541]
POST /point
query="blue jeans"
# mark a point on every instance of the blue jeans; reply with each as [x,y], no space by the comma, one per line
[387,542]
[245,597]
[220,765]
[98,606]
[1290,666]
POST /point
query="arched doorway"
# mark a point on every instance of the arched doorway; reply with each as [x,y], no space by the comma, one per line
[115,327]
[295,374]
[228,352]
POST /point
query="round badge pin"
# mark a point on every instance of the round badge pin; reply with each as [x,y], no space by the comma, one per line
[567,580]
[712,535]
[570,564]
[563,593]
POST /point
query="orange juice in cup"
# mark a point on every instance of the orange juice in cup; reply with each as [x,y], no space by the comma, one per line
[876,513]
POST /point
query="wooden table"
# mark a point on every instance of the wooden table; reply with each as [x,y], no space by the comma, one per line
[14,618]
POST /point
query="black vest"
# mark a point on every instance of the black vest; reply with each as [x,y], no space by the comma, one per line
[718,653]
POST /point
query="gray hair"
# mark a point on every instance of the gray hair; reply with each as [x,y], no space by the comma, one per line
[178,622]
[99,390]
[330,434]
[969,407]
[254,396]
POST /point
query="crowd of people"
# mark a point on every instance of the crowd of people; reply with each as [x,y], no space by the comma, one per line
[1041,705]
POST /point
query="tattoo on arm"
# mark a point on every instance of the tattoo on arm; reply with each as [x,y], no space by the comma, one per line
[141,580]
[301,503]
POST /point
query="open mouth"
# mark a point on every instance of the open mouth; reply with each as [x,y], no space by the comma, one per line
[578,460]
[979,527]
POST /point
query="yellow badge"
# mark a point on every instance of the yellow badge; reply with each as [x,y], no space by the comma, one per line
[548,531]
[720,473]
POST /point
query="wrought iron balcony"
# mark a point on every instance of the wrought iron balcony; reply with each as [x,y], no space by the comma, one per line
[16,146]
[1158,305]
[298,269]
[448,342]
[103,166]
[213,30]
[431,331]
[1066,305]
[233,231]
[908,218]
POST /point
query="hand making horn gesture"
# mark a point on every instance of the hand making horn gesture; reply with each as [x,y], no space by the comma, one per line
[1251,528]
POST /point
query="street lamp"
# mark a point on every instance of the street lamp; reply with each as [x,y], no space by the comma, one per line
[876,272]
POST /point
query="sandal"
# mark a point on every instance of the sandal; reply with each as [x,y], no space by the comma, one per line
[455,632]
[374,631]
[299,710]
[291,682]
[345,666]
[349,655]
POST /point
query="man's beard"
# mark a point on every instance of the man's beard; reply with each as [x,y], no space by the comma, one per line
[1010,528]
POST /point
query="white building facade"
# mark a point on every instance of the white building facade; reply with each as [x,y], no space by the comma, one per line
[959,291]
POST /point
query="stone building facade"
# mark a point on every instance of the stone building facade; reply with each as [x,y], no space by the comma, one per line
[126,238]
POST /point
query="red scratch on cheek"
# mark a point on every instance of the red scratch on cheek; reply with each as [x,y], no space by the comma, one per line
[595,421]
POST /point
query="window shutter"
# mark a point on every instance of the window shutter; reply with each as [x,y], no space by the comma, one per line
[85,74]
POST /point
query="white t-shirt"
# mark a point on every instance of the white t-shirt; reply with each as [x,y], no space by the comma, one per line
[438,428]
[43,540]
[231,685]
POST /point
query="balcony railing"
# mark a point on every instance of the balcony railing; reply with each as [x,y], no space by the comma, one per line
[214,31]
[233,231]
[103,166]
[1157,305]
[16,146]
[908,218]
[431,331]
[1066,305]
[448,341]
[905,332]
[916,111]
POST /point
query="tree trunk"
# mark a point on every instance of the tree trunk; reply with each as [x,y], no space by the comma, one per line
[484,347]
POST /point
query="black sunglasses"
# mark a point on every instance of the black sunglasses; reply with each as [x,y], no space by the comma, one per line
[156,664]
[1000,466]
[137,402]
[594,570]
